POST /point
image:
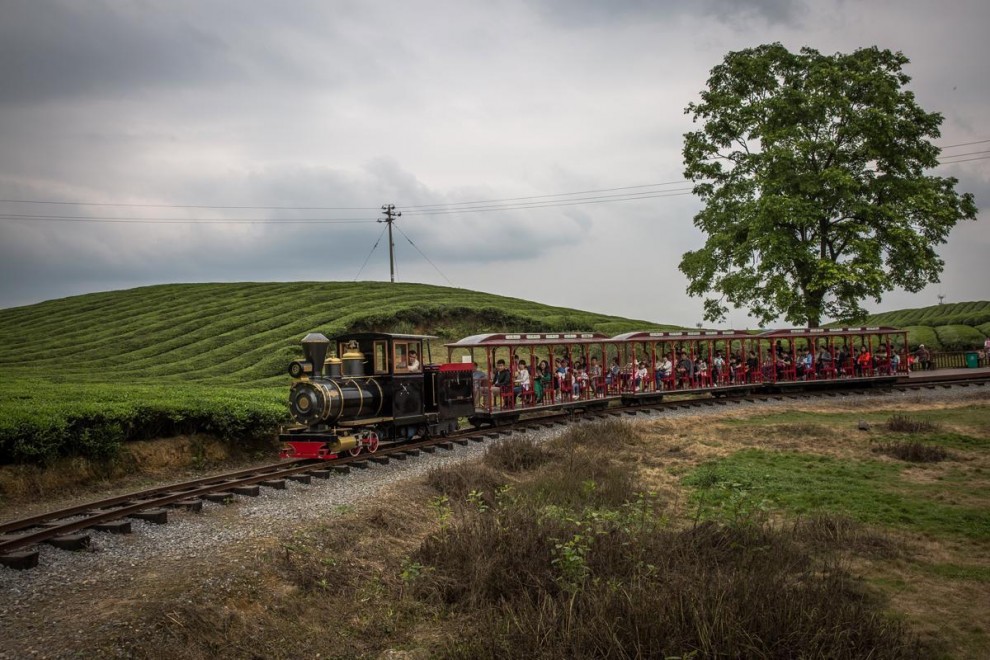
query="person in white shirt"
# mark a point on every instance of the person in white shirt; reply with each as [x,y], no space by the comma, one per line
[413,361]
[521,380]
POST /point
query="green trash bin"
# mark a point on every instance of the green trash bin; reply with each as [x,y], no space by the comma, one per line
[972,360]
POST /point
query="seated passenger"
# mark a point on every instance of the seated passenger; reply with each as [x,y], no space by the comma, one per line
[685,370]
[502,378]
[640,376]
[824,359]
[752,365]
[864,362]
[594,374]
[664,367]
[805,366]
[701,371]
[521,380]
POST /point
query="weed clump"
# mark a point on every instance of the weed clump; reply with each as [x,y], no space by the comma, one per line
[914,452]
[905,424]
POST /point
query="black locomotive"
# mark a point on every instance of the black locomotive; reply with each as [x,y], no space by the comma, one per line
[356,391]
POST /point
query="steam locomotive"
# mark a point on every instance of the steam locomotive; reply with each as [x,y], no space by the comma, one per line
[374,390]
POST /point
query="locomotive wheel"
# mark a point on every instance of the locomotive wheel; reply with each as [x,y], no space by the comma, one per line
[372,443]
[355,451]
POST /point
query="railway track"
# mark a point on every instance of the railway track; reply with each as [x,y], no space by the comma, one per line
[70,528]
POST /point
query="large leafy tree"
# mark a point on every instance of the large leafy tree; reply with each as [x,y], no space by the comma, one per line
[812,171]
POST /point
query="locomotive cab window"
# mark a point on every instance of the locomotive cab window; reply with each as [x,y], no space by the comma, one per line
[381,358]
[407,358]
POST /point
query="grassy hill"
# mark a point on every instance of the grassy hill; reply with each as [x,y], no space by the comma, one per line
[81,375]
[247,333]
[952,327]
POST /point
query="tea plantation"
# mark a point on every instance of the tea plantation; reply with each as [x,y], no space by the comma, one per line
[81,375]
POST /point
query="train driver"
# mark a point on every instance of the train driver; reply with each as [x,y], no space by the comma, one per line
[413,364]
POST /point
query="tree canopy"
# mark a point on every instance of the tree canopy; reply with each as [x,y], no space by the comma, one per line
[812,171]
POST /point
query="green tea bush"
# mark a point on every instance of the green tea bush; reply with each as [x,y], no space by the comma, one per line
[959,337]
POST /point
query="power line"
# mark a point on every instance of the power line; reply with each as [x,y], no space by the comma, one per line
[191,206]
[552,204]
[966,153]
[516,199]
[964,144]
[377,241]
[964,160]
[425,257]
[184,221]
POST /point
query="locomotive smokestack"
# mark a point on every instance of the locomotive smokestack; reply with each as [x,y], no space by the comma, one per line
[315,347]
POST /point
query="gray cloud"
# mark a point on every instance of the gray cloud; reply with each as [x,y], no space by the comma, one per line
[359,104]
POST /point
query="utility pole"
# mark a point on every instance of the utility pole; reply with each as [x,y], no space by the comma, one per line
[390,216]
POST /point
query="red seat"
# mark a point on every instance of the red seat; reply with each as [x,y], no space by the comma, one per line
[508,397]
[528,397]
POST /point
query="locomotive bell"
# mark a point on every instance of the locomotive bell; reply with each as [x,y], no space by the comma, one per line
[315,347]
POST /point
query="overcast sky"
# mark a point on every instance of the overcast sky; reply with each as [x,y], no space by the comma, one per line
[351,105]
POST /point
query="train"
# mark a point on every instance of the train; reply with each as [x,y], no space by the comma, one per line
[358,391]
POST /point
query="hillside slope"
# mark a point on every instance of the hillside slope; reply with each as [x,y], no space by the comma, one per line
[247,332]
[951,327]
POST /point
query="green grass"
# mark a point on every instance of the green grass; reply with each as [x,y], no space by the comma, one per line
[872,492]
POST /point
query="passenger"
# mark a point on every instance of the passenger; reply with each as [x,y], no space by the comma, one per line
[502,378]
[595,374]
[546,378]
[752,365]
[701,371]
[843,358]
[538,383]
[580,380]
[895,362]
[520,381]
[924,357]
[612,377]
[640,376]
[824,359]
[413,361]
[864,362]
[806,365]
[663,371]
[718,367]
[480,381]
[685,369]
